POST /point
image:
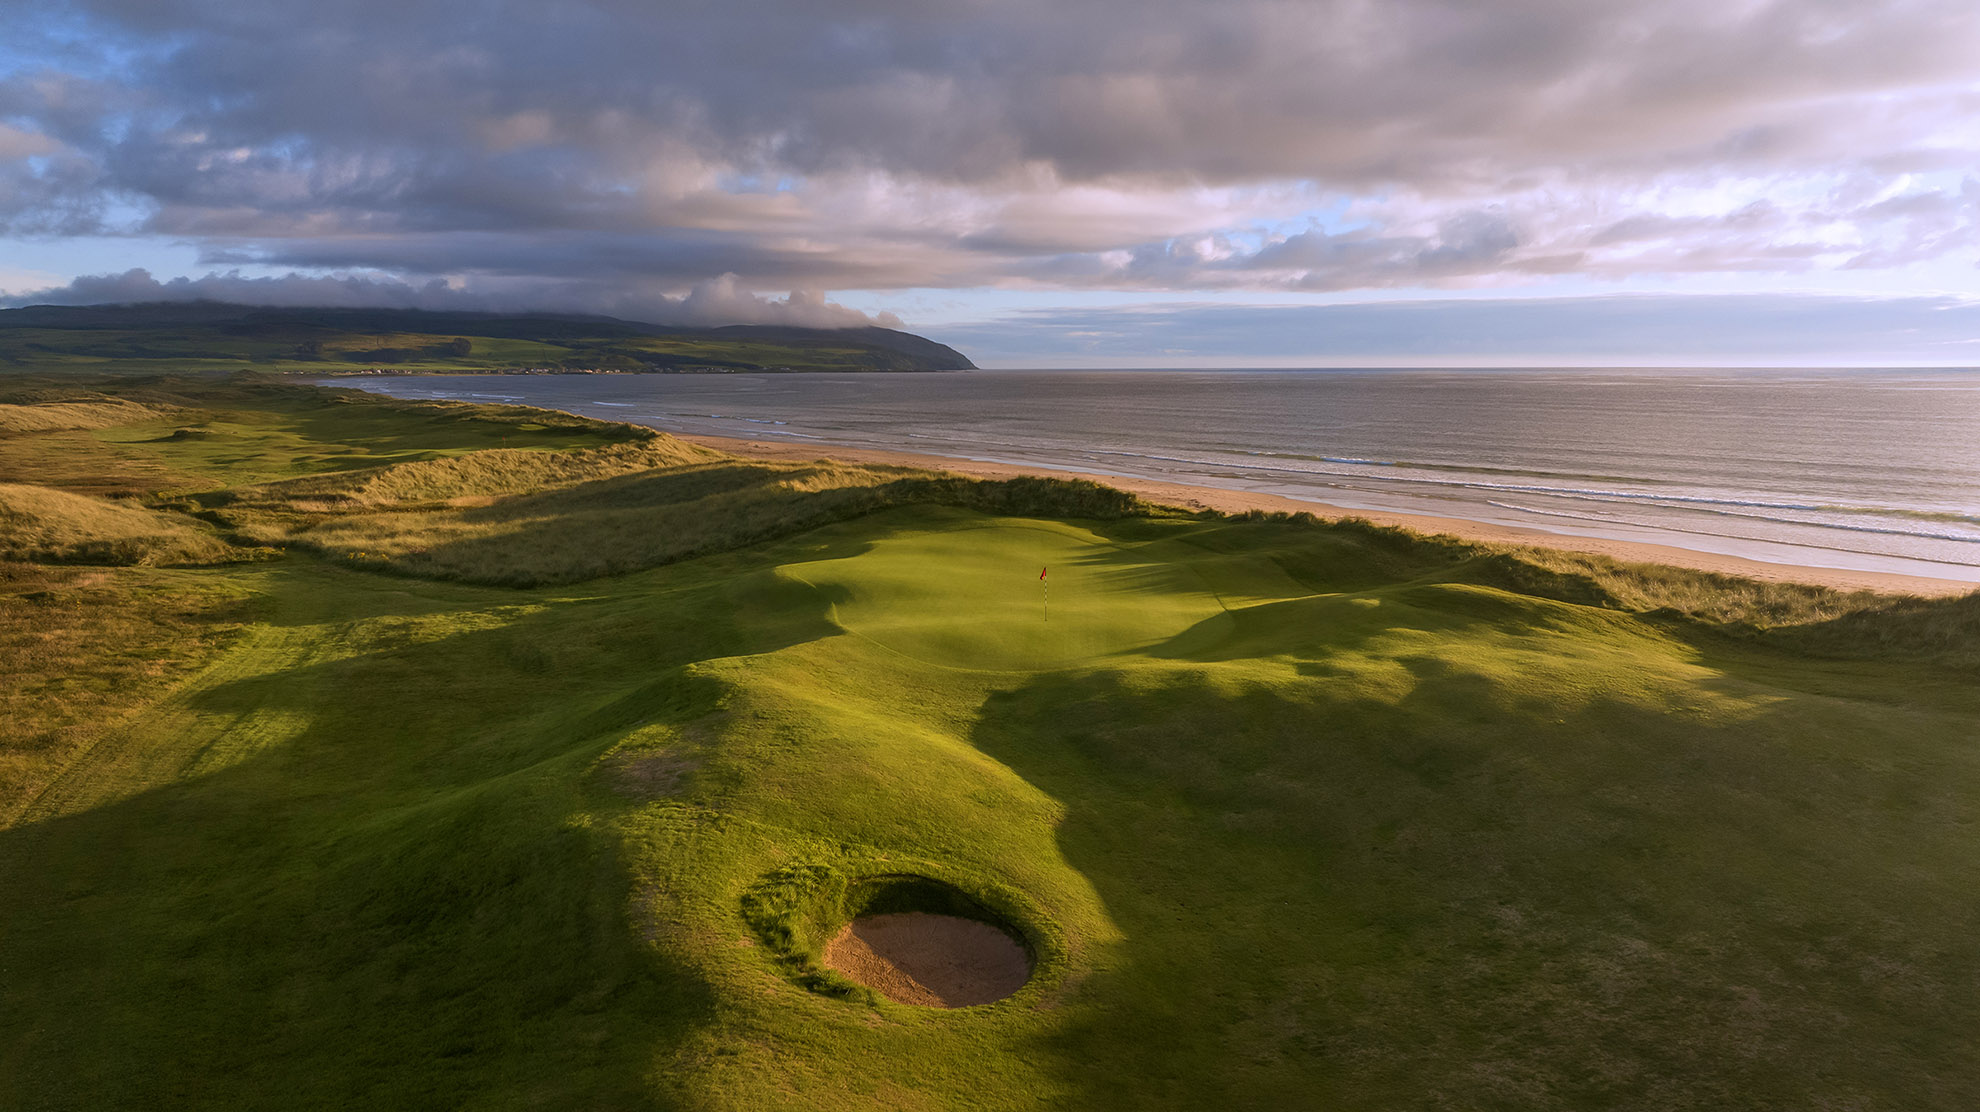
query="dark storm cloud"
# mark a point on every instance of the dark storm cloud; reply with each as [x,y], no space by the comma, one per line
[960,142]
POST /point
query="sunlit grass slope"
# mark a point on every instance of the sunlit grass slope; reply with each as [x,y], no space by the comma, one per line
[963,598]
[1292,815]
[71,413]
[81,647]
[53,526]
[530,519]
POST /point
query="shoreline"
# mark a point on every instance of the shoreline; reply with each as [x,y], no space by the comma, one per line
[1238,501]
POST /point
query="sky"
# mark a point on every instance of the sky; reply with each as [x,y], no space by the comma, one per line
[1039,182]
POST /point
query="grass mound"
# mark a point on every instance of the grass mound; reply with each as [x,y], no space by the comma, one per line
[483,475]
[972,597]
[1800,618]
[56,416]
[1942,631]
[52,526]
[524,519]
[80,647]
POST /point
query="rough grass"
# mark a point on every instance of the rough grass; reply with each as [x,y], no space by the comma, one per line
[215,434]
[51,526]
[486,474]
[513,520]
[59,415]
[1803,617]
[81,648]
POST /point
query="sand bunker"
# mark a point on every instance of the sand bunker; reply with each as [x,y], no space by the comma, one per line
[937,961]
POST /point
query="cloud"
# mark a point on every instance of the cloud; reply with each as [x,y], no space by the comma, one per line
[1634,330]
[1248,144]
[717,301]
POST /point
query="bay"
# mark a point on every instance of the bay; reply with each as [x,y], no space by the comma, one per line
[1875,470]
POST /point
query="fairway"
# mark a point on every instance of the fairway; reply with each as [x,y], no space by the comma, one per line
[1270,813]
[974,597]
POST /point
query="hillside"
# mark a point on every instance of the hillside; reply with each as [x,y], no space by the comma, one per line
[463,756]
[203,335]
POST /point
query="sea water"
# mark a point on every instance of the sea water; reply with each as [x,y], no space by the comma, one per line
[1873,470]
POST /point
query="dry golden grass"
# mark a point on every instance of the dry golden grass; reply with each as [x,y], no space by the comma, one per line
[52,526]
[77,414]
[81,462]
[1799,617]
[48,437]
[521,518]
[492,473]
[81,647]
[616,523]
[1808,619]
[1701,594]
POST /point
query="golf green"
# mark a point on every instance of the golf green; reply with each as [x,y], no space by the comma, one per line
[1016,596]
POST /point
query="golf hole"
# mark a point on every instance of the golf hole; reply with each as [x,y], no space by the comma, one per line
[919,941]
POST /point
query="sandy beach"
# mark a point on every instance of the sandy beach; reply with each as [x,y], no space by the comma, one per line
[1238,501]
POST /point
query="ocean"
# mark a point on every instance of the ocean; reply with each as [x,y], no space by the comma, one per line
[1873,470]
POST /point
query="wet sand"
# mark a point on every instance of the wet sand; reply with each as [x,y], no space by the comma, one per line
[1238,501]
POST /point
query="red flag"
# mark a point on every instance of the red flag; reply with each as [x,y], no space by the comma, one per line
[1041,573]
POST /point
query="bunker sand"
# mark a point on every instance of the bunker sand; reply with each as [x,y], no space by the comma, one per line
[936,961]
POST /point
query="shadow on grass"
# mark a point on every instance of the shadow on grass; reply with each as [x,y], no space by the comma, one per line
[407,903]
[1476,891]
[206,945]
[629,523]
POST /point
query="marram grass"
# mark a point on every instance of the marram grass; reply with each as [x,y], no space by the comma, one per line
[51,526]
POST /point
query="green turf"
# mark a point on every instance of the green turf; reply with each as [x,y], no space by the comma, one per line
[1295,816]
[966,597]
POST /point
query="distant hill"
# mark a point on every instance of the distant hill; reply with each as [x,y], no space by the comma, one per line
[207,335]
